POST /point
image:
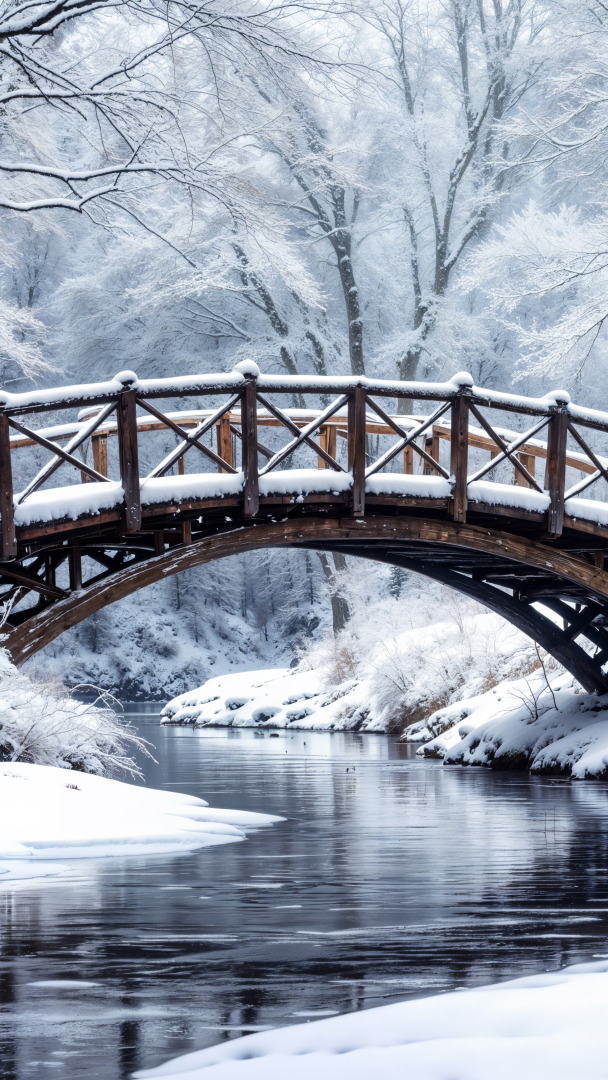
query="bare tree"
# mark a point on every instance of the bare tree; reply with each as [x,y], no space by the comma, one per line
[457,70]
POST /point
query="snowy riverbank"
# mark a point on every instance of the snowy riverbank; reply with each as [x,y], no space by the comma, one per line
[49,814]
[547,726]
[539,1026]
[540,720]
[376,681]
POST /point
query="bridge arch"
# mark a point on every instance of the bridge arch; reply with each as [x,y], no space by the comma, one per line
[472,559]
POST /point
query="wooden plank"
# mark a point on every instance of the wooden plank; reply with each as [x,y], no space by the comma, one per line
[321,464]
[431,445]
[159,542]
[49,569]
[34,584]
[327,439]
[129,459]
[90,525]
[408,460]
[249,432]
[75,567]
[529,462]
[100,454]
[8,545]
[224,441]
[356,448]
[186,532]
[459,456]
[555,472]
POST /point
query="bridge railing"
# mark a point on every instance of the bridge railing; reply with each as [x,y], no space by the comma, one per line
[462,418]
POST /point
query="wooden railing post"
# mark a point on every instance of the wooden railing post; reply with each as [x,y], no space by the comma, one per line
[129,458]
[249,429]
[356,448]
[529,462]
[224,440]
[459,456]
[555,471]
[8,547]
[431,445]
[100,454]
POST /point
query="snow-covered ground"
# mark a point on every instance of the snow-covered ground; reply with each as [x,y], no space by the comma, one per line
[550,1025]
[545,725]
[539,720]
[48,813]
[377,679]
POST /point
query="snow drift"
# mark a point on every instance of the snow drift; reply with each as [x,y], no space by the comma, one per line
[379,678]
[49,813]
[531,1028]
[548,726]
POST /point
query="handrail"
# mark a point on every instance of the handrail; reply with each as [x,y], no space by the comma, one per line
[109,410]
[87,394]
[300,417]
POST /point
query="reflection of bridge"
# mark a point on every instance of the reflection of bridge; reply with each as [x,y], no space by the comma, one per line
[526,546]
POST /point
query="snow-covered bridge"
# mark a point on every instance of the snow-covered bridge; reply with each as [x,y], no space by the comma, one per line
[439,478]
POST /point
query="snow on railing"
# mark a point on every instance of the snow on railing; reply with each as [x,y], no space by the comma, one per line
[109,411]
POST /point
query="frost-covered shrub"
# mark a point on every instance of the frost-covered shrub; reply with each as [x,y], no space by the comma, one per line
[416,655]
[42,723]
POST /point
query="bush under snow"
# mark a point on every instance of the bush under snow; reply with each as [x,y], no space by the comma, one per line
[41,723]
[548,726]
[379,675]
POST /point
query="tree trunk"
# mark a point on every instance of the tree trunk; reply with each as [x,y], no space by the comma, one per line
[339,607]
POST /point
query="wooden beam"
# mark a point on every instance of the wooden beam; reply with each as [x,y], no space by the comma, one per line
[555,472]
[129,459]
[75,567]
[356,448]
[8,544]
[529,463]
[224,441]
[249,431]
[459,451]
[100,453]
[431,445]
[21,577]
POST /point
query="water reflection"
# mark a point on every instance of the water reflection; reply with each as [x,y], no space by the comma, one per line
[392,877]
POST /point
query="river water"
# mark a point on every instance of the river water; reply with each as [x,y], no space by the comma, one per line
[392,877]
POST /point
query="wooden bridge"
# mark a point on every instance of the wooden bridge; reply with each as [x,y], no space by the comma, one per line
[474,488]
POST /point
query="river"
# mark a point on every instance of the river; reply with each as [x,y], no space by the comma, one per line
[392,877]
